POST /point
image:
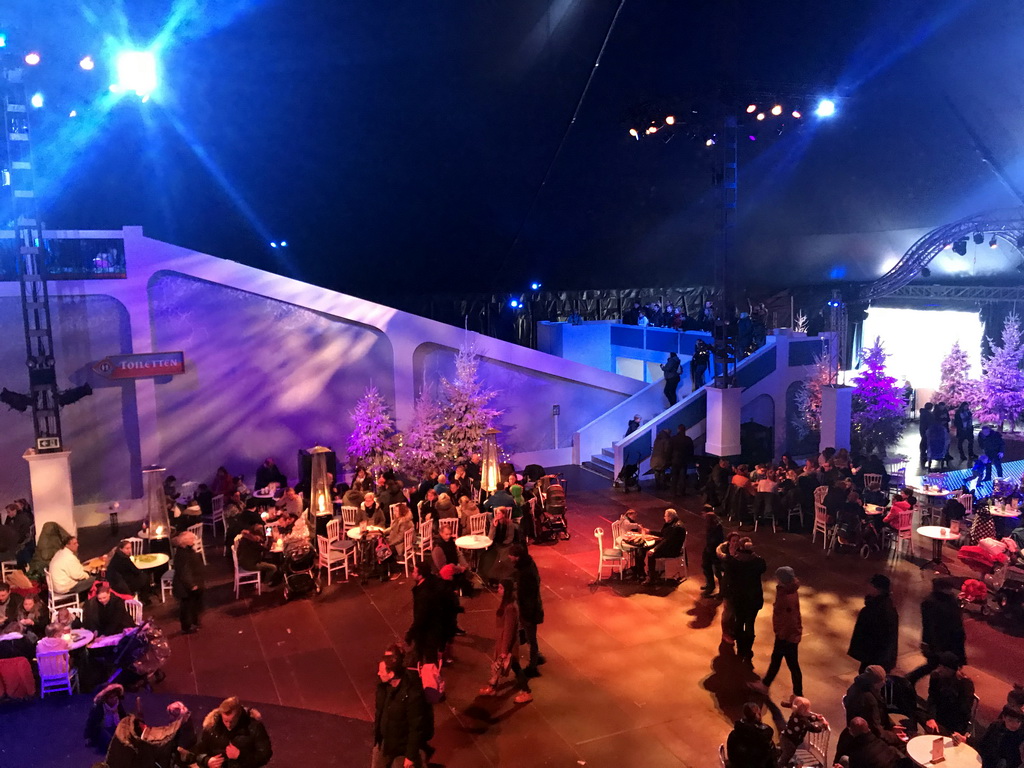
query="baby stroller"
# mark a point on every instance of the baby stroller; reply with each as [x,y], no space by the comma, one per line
[851,531]
[551,522]
[629,477]
[299,562]
[1000,590]
[139,658]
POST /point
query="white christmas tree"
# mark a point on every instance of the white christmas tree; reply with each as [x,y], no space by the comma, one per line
[422,448]
[807,419]
[1002,385]
[800,325]
[466,406]
[955,384]
[372,442]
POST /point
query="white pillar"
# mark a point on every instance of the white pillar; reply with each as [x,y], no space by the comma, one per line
[723,421]
[52,499]
[836,417]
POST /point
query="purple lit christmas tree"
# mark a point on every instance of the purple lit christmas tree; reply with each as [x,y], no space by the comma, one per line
[878,416]
[1002,385]
[955,384]
[423,448]
[372,442]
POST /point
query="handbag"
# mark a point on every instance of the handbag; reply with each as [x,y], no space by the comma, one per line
[433,683]
[382,551]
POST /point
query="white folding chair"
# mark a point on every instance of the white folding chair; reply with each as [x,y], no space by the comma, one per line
[408,550]
[478,525]
[242,576]
[795,511]
[452,522]
[75,613]
[813,753]
[332,559]
[217,516]
[820,524]
[336,539]
[55,600]
[426,540]
[134,610]
[7,566]
[968,502]
[613,557]
[871,479]
[820,493]
[350,517]
[56,673]
[166,585]
[137,545]
[197,531]
[903,523]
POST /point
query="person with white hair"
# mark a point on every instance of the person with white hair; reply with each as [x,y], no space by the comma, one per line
[188,582]
[671,540]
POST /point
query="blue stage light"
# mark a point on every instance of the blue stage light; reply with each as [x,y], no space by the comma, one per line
[535,286]
[826,108]
[273,245]
[514,303]
[36,100]
[136,73]
[284,243]
[32,59]
[87,64]
[3,40]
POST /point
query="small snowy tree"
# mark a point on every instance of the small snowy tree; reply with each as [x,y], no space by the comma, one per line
[1002,383]
[955,384]
[807,420]
[422,449]
[372,442]
[466,406]
[878,416]
[800,324]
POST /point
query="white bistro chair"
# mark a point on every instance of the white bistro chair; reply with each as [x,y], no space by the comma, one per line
[333,559]
[820,524]
[137,545]
[217,517]
[408,555]
[197,531]
[612,557]
[57,601]
[425,543]
[478,525]
[242,576]
[453,522]
[56,673]
[134,610]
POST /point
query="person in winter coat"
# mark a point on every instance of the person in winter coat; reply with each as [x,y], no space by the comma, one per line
[661,458]
[401,725]
[927,418]
[788,627]
[950,698]
[233,736]
[942,629]
[682,459]
[744,573]
[726,554]
[188,584]
[864,699]
[106,614]
[124,576]
[138,744]
[671,368]
[506,646]
[670,545]
[963,422]
[990,443]
[710,564]
[430,631]
[531,605]
[751,744]
[875,638]
[859,747]
[106,712]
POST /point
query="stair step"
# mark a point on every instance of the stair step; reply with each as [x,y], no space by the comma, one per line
[608,452]
[598,470]
[602,462]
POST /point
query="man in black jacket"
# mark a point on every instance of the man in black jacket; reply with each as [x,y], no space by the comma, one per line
[531,605]
[124,576]
[671,368]
[743,574]
[682,458]
[433,626]
[863,749]
[106,614]
[233,737]
[400,725]
[269,473]
[252,553]
[942,629]
[990,443]
[671,540]
[188,582]
[751,743]
[875,638]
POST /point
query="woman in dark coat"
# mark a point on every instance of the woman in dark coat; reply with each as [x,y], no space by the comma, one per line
[875,638]
[661,457]
[963,421]
[188,582]
[124,576]
[710,563]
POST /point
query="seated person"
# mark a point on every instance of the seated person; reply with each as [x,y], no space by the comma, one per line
[859,747]
[500,498]
[290,501]
[446,557]
[442,486]
[950,697]
[252,553]
[247,518]
[373,512]
[670,544]
[400,523]
[52,642]
[751,744]
[629,522]
[875,495]
[427,508]
[124,576]
[445,506]
[467,508]
[904,502]
[66,571]
[1002,744]
[269,473]
[9,603]
[864,700]
[849,517]
[30,618]
[106,614]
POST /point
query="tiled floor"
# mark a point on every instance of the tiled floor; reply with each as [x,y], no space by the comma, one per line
[633,676]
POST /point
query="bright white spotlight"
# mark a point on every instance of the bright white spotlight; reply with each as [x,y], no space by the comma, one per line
[32,59]
[136,73]
[751,108]
[273,245]
[826,108]
[760,115]
[796,114]
[670,120]
[87,64]
[709,143]
[36,100]
[73,113]
[514,303]
[284,243]
[633,133]
[535,286]
[777,110]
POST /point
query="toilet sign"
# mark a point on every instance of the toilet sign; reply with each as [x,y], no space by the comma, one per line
[141,366]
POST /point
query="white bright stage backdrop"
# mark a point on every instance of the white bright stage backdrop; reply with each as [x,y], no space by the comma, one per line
[917,340]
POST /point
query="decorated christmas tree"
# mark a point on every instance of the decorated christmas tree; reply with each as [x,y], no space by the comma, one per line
[372,442]
[423,447]
[466,406]
[1002,383]
[955,384]
[878,415]
[807,420]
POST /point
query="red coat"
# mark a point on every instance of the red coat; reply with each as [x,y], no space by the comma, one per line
[786,614]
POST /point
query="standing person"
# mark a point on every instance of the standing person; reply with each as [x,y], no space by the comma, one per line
[682,458]
[427,634]
[875,638]
[788,627]
[726,554]
[661,459]
[401,723]
[233,736]
[699,364]
[745,572]
[506,646]
[531,605]
[990,443]
[188,582]
[927,418]
[633,425]
[942,630]
[710,564]
[963,421]
[671,367]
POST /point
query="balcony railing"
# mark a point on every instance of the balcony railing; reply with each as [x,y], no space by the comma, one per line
[72,258]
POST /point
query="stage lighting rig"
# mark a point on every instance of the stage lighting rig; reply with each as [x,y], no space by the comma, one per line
[993,243]
[960,247]
[15,400]
[136,73]
[978,238]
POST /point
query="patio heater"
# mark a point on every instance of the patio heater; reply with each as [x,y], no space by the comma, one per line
[489,471]
[321,503]
[157,522]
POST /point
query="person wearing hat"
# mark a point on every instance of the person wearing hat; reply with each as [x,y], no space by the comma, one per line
[875,638]
[188,582]
[864,699]
[950,697]
[788,629]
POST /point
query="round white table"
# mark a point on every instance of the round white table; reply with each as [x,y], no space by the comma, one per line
[937,534]
[356,532]
[473,541]
[152,560]
[1004,512]
[80,638]
[960,756]
[874,509]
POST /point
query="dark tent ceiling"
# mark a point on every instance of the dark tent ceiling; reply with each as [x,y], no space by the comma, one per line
[401,146]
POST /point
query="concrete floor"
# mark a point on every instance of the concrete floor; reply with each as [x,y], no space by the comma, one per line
[633,676]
